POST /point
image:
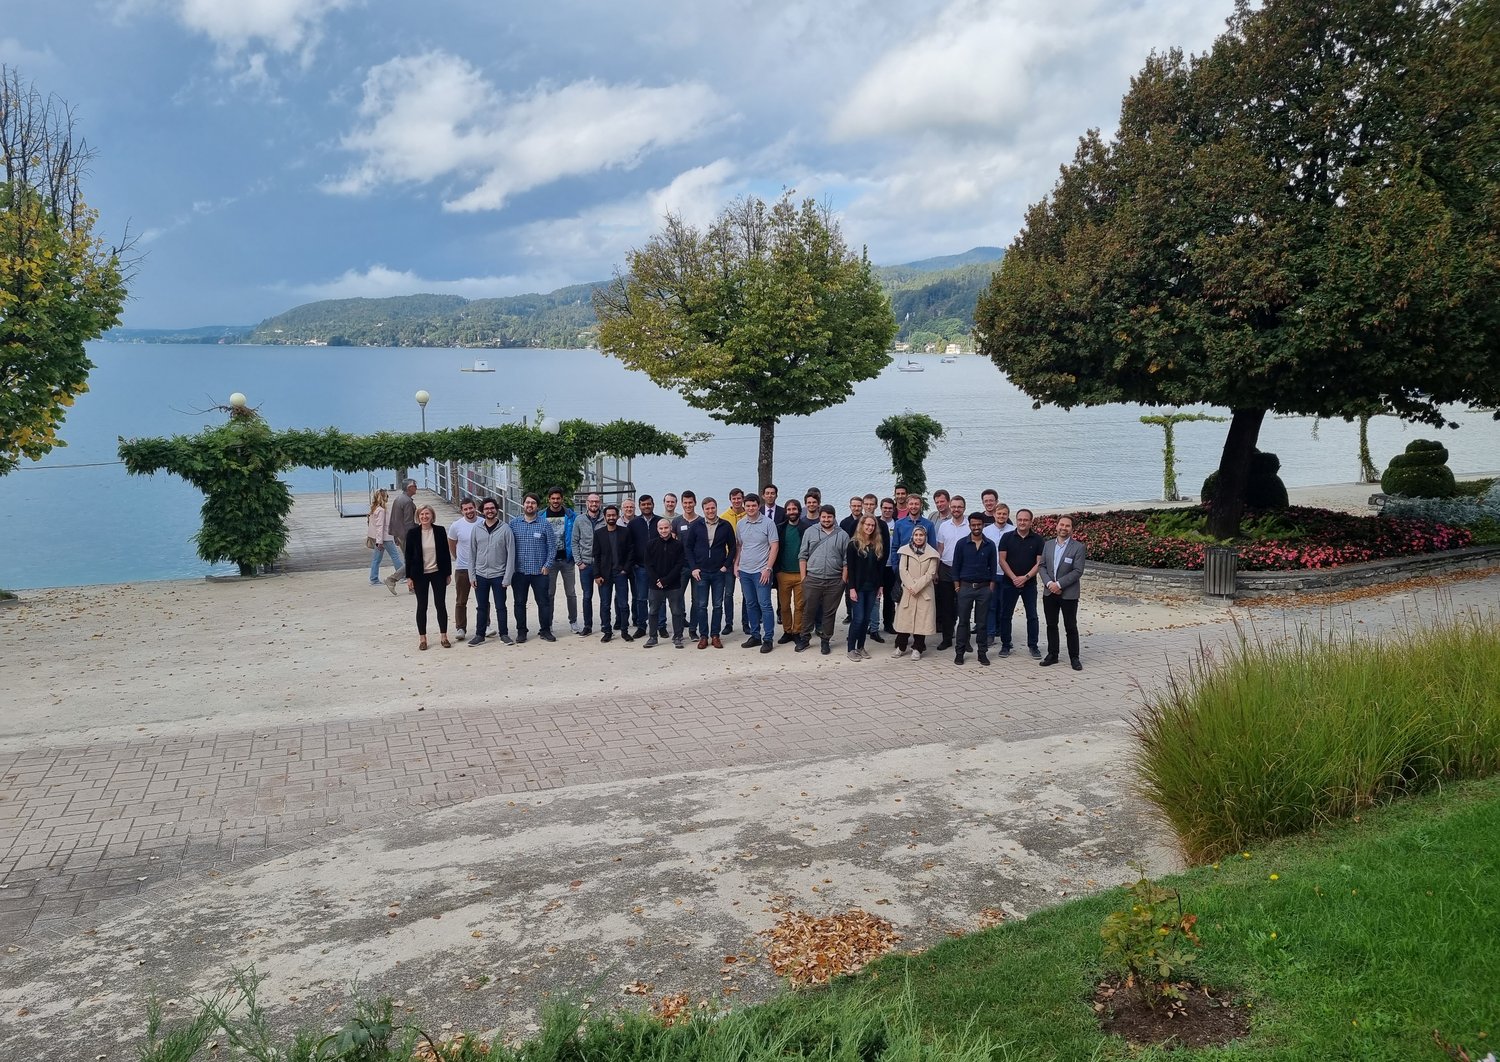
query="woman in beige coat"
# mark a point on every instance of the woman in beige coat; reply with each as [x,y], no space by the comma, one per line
[916,612]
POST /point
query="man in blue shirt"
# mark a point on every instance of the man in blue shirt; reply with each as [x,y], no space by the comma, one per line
[536,552]
[975,562]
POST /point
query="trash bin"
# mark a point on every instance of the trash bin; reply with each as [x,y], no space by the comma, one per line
[1220,563]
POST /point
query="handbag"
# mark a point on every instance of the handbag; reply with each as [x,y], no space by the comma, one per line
[896,588]
[370,543]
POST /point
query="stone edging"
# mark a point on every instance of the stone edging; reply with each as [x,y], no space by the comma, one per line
[1307,580]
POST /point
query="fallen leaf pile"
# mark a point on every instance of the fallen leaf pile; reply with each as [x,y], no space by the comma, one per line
[444,1050]
[672,1010]
[812,951]
[990,917]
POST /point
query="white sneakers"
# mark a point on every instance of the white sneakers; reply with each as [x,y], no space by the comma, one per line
[916,654]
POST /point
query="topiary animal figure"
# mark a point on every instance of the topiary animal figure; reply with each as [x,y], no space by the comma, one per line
[1264,489]
[1420,472]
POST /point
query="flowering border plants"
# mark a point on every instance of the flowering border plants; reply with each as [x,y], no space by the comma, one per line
[1321,538]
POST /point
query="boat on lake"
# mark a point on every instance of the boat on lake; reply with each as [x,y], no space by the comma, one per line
[910,366]
[478,366]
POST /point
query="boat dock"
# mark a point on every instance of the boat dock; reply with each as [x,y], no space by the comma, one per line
[319,539]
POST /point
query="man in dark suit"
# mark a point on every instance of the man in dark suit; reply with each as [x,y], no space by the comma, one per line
[1062,571]
[768,507]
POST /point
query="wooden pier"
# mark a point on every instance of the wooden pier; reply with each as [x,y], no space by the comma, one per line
[320,540]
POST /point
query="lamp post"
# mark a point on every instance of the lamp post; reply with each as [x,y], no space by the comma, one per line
[237,401]
[422,399]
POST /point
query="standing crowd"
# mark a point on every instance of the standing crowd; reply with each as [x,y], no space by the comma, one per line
[956,575]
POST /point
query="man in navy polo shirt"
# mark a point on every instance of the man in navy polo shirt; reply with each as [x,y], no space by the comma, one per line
[974,569]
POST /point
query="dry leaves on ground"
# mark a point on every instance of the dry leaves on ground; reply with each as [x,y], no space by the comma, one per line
[673,1010]
[811,951]
[444,1050]
[990,917]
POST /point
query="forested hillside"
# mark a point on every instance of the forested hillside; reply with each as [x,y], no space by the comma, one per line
[933,301]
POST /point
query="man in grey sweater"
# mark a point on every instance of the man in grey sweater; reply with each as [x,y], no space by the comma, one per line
[492,558]
[821,558]
[403,519]
[588,521]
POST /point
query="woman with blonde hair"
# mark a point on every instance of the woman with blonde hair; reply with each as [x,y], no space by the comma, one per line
[378,536]
[916,609]
[864,565]
[429,567]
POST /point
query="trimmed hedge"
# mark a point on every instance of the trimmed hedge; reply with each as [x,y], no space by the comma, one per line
[1420,472]
[1263,490]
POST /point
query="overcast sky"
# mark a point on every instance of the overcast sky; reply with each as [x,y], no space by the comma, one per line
[271,152]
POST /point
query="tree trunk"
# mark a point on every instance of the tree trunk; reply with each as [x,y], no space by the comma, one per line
[767,449]
[1228,502]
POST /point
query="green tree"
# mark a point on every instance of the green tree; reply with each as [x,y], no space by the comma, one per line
[765,315]
[908,437]
[1304,220]
[60,286]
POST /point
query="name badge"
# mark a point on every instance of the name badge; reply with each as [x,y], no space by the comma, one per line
[536,534]
[1067,560]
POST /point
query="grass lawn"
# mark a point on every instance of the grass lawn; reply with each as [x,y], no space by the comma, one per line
[1373,934]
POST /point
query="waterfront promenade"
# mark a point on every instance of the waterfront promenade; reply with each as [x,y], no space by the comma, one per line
[196,776]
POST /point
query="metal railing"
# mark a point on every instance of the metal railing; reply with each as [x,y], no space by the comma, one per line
[355,508]
[455,480]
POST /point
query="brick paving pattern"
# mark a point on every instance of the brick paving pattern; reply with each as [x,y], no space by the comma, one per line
[84,827]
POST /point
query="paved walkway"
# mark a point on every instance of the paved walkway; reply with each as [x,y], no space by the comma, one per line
[81,826]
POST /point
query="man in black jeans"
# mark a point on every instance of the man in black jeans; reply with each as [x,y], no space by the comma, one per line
[974,568]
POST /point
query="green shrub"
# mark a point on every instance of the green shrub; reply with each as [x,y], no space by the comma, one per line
[1189,525]
[1263,490]
[1481,514]
[1153,941]
[1420,472]
[1277,737]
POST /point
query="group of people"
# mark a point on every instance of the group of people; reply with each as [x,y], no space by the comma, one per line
[957,574]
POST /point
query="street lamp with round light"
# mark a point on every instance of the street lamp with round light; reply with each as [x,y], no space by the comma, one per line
[422,399]
[237,401]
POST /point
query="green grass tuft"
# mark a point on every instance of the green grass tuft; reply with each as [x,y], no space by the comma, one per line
[1276,738]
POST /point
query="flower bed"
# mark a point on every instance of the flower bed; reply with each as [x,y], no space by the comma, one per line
[1324,539]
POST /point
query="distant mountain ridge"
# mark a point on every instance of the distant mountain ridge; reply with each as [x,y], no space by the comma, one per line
[933,300]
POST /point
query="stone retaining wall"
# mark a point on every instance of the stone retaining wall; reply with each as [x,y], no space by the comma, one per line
[1168,582]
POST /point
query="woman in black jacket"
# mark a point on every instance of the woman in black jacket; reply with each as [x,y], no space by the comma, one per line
[429,566]
[864,565]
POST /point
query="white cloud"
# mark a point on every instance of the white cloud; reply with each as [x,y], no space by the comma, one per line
[595,240]
[380,282]
[987,66]
[435,116]
[284,26]
[15,53]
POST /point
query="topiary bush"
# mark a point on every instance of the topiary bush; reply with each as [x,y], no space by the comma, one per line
[1264,490]
[1421,472]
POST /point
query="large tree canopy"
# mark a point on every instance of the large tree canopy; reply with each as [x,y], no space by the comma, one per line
[766,315]
[1303,220]
[60,286]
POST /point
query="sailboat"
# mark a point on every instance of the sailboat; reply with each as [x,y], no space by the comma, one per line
[910,366]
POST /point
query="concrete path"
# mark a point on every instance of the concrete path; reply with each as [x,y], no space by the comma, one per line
[196,776]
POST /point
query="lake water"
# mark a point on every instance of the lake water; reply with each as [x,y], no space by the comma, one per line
[70,525]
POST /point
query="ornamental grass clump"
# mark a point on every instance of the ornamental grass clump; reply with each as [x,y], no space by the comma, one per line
[1277,737]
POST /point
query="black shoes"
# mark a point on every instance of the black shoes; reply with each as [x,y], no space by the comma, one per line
[478,639]
[945,645]
[608,636]
[1077,664]
[640,632]
[1048,661]
[766,647]
[506,639]
[958,658]
[650,642]
[547,636]
[521,638]
[1036,654]
[626,636]
[875,637]
[585,632]
[787,638]
[751,642]
[1005,650]
[803,642]
[984,658]
[825,646]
